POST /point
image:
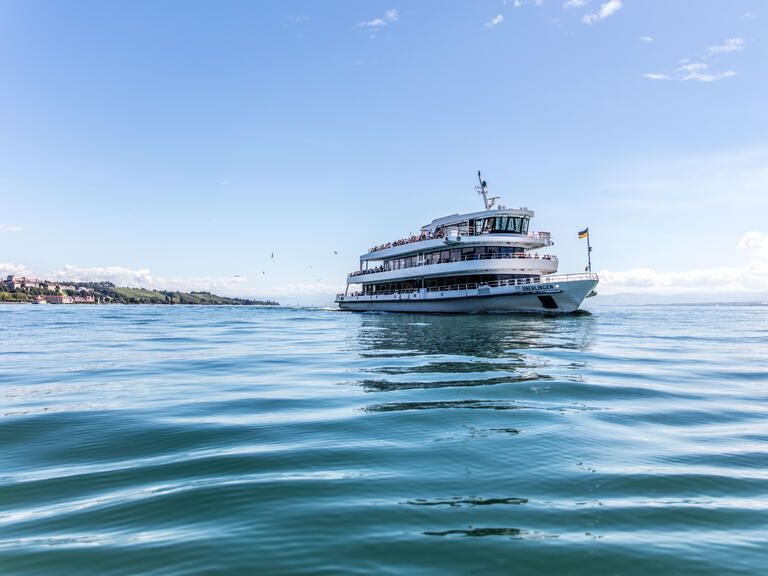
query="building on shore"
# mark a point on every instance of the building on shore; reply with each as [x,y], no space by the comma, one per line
[58,299]
[14,283]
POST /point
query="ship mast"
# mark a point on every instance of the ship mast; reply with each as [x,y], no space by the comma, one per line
[483,191]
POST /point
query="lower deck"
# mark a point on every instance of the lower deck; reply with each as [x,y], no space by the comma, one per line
[554,294]
[441,282]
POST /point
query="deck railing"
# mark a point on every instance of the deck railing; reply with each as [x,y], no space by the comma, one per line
[467,258]
[546,236]
[492,284]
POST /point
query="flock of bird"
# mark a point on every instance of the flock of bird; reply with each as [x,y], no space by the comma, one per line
[272,257]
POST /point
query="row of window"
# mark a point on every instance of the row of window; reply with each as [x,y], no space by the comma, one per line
[436,282]
[454,255]
[495,224]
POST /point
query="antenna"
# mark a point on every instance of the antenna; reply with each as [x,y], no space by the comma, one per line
[483,191]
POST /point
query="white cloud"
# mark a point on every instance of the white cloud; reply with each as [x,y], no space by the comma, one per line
[4,228]
[700,71]
[646,38]
[730,45]
[11,269]
[574,3]
[752,278]
[695,71]
[607,9]
[389,17]
[757,242]
[654,76]
[498,19]
[308,289]
[144,279]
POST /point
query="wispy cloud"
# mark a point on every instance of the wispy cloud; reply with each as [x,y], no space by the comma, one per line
[521,3]
[498,19]
[5,228]
[730,45]
[700,71]
[389,17]
[696,71]
[574,3]
[646,38]
[733,280]
[307,288]
[143,278]
[11,269]
[607,9]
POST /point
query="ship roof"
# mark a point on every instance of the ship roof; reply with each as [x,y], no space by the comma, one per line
[456,218]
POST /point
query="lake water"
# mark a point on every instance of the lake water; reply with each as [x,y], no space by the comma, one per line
[185,440]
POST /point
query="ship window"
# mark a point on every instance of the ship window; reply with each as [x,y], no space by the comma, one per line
[515,225]
[525,225]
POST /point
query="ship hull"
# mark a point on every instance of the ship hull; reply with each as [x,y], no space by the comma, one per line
[547,298]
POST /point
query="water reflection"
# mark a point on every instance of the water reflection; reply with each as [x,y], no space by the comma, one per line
[472,405]
[413,351]
[459,502]
[479,532]
[385,385]
[481,336]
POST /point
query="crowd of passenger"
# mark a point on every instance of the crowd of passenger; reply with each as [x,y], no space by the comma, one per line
[383,268]
[409,240]
[368,271]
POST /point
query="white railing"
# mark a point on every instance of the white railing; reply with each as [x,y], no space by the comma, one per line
[467,258]
[570,277]
[493,284]
[546,236]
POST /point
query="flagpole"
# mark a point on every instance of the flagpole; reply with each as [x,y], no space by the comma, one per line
[589,254]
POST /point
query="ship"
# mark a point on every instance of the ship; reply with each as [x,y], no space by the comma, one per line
[481,262]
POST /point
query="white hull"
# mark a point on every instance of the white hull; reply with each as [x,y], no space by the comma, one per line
[555,296]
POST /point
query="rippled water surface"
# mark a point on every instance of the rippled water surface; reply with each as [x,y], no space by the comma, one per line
[185,440]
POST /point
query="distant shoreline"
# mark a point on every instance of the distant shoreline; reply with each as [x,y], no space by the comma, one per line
[32,291]
[31,303]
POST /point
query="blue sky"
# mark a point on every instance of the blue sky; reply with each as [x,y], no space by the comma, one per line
[178,144]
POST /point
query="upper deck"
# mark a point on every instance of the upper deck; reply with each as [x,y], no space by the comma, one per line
[503,225]
[414,245]
[458,220]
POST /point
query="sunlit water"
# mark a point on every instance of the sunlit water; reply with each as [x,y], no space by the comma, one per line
[185,440]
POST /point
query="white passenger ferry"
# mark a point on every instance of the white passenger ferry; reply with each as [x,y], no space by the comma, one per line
[485,261]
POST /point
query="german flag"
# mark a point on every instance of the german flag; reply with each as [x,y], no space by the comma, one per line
[584,233]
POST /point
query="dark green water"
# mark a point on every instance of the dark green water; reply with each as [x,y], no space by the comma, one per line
[184,440]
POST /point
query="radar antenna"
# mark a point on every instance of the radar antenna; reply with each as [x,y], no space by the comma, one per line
[483,191]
